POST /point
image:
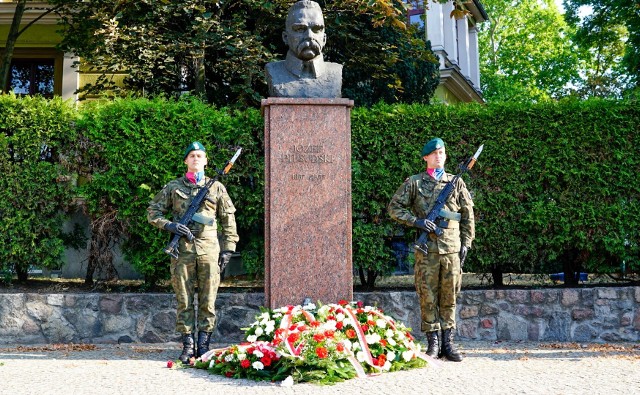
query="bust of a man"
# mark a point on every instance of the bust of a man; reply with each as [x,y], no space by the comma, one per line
[304,73]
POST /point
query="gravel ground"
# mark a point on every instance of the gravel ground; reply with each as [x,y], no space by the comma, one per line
[488,368]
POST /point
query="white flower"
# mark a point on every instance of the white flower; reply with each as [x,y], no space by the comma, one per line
[389,333]
[386,366]
[271,326]
[288,382]
[400,335]
[360,356]
[356,346]
[252,338]
[259,331]
[211,363]
[277,315]
[391,342]
[257,365]
[242,357]
[258,353]
[380,323]
[228,357]
[347,344]
[407,355]
[372,338]
[309,306]
[264,316]
[329,325]
[391,356]
[340,317]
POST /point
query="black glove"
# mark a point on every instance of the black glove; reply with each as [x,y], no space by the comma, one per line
[179,229]
[463,255]
[425,224]
[223,261]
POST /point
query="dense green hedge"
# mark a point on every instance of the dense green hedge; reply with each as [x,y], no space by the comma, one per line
[555,188]
[137,146]
[36,146]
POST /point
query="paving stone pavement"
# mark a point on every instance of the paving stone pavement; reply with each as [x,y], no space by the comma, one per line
[488,368]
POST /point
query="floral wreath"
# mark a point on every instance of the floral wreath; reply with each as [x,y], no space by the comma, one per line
[324,344]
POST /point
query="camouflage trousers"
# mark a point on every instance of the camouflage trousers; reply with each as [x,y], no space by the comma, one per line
[189,271]
[438,279]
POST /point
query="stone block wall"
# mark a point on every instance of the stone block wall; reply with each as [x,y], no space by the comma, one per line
[571,314]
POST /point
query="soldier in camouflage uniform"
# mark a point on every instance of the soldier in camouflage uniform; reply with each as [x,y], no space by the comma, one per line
[438,274]
[200,261]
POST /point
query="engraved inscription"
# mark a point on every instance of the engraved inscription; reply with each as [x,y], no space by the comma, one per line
[306,154]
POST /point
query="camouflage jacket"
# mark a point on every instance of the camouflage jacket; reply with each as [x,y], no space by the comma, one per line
[175,198]
[418,194]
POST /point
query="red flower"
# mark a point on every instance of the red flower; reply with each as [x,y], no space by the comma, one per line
[340,347]
[322,352]
[371,322]
[229,373]
[315,324]
[276,341]
[343,302]
[339,325]
[318,337]
[293,337]
[383,342]
[360,304]
[382,359]
[409,336]
[169,364]
[266,361]
[350,333]
[329,334]
[365,327]
[245,363]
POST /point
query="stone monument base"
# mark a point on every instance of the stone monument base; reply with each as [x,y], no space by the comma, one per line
[307,200]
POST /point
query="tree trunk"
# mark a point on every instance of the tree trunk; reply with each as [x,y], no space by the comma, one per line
[22,271]
[368,280]
[200,77]
[496,275]
[14,33]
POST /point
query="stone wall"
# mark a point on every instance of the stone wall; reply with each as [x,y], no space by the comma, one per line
[571,314]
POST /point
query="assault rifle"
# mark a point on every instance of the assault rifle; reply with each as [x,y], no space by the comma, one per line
[172,247]
[435,213]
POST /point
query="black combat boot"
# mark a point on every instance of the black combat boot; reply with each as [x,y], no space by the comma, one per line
[433,345]
[188,350]
[448,348]
[203,342]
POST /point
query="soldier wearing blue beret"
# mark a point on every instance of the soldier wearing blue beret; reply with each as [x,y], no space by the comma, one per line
[438,274]
[201,258]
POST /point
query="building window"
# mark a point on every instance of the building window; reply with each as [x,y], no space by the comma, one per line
[32,77]
[416,13]
[35,72]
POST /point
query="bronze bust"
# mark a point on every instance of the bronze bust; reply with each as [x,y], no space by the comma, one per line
[304,73]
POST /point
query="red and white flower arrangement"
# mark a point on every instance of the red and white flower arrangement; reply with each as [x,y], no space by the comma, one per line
[324,344]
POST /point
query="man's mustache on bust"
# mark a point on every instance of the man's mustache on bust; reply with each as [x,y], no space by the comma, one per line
[311,44]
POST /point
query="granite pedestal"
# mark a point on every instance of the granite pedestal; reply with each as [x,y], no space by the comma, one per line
[307,200]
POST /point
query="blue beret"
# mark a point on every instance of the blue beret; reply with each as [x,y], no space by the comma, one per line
[195,146]
[432,145]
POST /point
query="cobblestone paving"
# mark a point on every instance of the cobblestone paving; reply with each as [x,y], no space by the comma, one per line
[488,368]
